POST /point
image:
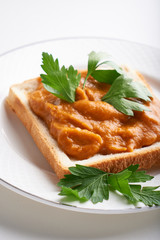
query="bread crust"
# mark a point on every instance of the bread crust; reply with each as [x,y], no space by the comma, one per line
[18,101]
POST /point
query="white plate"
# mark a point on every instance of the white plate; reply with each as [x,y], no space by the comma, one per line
[22,167]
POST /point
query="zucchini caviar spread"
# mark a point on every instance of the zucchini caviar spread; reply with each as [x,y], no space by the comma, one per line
[89,125]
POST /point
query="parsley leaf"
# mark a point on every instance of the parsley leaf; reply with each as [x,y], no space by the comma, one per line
[105,76]
[86,183]
[124,87]
[91,183]
[120,183]
[147,195]
[61,82]
[138,176]
[65,191]
[97,59]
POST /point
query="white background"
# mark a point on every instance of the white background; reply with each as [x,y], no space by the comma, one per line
[27,21]
[23,22]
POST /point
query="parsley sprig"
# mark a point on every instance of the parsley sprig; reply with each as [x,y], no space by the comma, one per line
[124,91]
[86,183]
[98,59]
[124,88]
[124,94]
[62,82]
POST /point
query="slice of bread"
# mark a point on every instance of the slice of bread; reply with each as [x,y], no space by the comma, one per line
[59,161]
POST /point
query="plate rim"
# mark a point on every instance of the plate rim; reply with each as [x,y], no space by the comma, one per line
[59,204]
[72,207]
[76,38]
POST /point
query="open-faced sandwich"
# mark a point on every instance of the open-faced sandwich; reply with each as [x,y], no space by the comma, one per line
[106,118]
[96,127]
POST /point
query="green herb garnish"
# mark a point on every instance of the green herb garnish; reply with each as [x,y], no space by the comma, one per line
[96,60]
[86,183]
[124,88]
[62,82]
[124,94]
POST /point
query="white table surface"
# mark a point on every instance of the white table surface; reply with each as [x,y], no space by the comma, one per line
[23,22]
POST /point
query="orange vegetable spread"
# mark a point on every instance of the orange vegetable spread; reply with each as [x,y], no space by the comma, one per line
[89,125]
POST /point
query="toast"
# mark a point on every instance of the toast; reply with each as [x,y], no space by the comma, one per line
[17,99]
